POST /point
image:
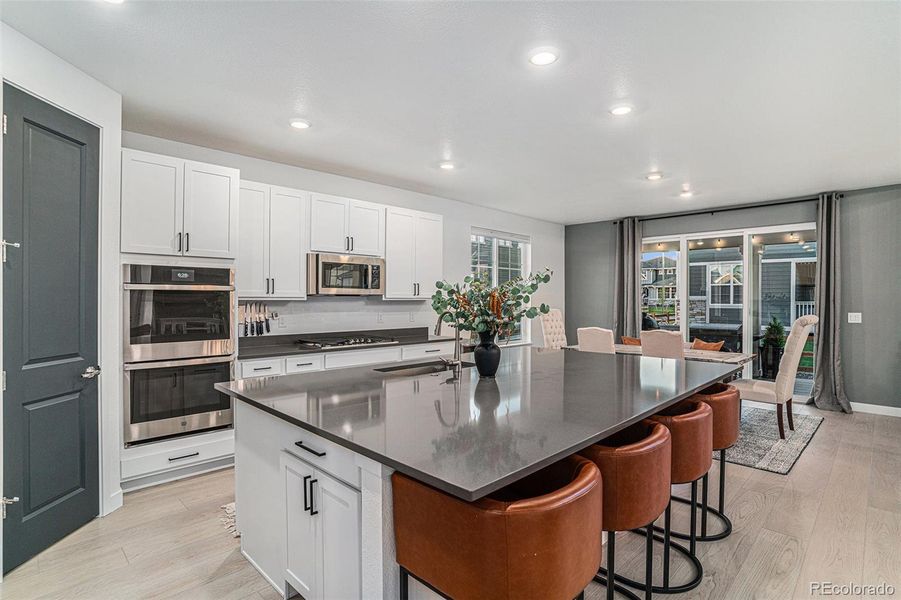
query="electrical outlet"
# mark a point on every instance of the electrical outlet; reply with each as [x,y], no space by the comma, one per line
[381,318]
[281,323]
[855,317]
[412,318]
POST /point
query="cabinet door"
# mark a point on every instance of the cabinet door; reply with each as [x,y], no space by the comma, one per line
[303,555]
[429,253]
[400,245]
[338,537]
[152,200]
[366,228]
[252,265]
[211,210]
[288,243]
[328,224]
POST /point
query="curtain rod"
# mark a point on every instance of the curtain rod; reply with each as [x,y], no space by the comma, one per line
[712,211]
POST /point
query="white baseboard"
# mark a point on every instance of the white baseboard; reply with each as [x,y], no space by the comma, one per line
[876,409]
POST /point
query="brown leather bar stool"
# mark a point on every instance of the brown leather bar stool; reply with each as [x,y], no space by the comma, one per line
[635,464]
[725,401]
[690,424]
[537,538]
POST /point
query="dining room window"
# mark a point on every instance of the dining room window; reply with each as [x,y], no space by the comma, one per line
[498,257]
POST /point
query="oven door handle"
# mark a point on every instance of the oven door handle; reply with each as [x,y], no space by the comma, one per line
[173,287]
[161,364]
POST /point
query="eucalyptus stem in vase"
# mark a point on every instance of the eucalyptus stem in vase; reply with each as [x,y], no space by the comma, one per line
[476,305]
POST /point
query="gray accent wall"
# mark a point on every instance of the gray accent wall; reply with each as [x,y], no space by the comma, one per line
[871,283]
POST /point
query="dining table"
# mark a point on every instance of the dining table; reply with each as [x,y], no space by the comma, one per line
[730,358]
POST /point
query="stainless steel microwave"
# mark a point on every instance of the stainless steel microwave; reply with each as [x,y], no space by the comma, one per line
[345,275]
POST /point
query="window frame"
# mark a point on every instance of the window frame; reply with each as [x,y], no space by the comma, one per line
[525,242]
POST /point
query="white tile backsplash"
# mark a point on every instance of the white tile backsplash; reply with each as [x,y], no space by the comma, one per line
[326,314]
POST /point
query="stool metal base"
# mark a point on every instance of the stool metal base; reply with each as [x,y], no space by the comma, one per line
[604,575]
[719,513]
[405,587]
[689,553]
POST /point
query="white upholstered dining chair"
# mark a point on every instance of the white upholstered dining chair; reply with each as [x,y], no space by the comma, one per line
[553,330]
[780,392]
[596,339]
[662,344]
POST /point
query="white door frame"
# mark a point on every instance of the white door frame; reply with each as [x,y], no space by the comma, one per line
[747,251]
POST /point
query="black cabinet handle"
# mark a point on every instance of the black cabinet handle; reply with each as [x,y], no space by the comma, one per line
[435,350]
[313,511]
[347,243]
[267,285]
[273,285]
[187,242]
[351,243]
[304,364]
[261,368]
[310,450]
[307,505]
[179,241]
[174,458]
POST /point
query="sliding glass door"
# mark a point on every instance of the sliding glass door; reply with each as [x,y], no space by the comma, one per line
[729,285]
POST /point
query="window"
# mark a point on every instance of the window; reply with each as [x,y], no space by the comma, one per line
[725,283]
[498,258]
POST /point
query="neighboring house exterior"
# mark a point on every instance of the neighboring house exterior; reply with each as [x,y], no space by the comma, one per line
[658,281]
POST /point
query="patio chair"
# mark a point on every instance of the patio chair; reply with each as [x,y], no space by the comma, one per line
[780,392]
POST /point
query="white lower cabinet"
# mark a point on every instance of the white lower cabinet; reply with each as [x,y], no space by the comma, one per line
[322,521]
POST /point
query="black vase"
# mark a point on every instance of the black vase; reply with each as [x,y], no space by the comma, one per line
[487,355]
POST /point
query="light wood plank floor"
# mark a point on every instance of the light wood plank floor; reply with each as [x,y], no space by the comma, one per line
[836,517]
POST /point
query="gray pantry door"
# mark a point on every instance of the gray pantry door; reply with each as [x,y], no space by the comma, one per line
[50,294]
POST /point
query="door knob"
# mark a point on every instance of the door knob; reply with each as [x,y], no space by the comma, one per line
[90,373]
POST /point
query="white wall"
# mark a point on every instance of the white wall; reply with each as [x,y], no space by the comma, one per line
[35,70]
[330,314]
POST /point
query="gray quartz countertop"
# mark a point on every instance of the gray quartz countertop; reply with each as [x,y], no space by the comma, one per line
[270,346]
[472,436]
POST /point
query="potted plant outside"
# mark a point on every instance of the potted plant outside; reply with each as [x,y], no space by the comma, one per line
[772,346]
[476,305]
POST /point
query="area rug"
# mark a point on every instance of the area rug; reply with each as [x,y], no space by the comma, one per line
[759,446]
[229,519]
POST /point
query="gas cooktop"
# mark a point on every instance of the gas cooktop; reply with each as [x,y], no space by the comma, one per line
[341,341]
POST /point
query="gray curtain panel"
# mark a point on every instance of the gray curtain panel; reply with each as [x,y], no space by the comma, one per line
[627,287]
[829,383]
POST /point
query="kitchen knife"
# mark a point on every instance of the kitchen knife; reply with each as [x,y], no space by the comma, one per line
[266,314]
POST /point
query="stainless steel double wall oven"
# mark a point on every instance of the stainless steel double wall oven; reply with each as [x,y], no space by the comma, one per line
[179,340]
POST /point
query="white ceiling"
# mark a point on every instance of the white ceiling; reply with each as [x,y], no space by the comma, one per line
[744,101]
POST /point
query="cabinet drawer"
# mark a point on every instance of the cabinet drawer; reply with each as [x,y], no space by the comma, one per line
[428,350]
[147,460]
[335,460]
[259,368]
[354,358]
[303,363]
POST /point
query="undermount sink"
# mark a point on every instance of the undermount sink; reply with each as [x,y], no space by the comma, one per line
[426,368]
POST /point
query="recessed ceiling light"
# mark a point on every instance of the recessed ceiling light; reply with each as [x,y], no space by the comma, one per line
[654,176]
[300,124]
[686,194]
[620,110]
[447,166]
[700,242]
[114,1]
[542,57]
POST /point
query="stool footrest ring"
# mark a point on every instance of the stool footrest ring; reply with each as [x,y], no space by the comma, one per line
[710,537]
[670,589]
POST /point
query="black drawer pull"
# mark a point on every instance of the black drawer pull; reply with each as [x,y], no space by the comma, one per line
[310,450]
[174,458]
[261,368]
[435,350]
[304,364]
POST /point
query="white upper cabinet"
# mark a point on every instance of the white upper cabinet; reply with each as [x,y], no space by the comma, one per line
[400,254]
[176,207]
[211,210]
[273,244]
[288,245]
[152,203]
[414,253]
[252,265]
[346,226]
